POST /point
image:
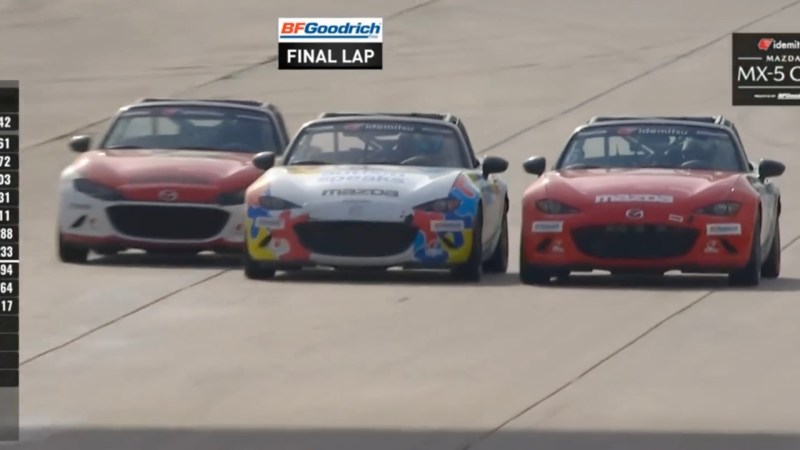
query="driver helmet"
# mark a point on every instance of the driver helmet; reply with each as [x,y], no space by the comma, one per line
[657,142]
[699,149]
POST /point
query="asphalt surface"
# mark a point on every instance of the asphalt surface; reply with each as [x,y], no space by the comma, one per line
[131,353]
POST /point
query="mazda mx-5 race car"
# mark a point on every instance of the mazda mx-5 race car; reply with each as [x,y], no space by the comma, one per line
[652,195]
[379,191]
[168,176]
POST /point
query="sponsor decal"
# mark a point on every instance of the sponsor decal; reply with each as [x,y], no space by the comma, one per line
[168,195]
[80,206]
[330,43]
[273,223]
[388,127]
[724,229]
[557,246]
[675,218]
[370,192]
[634,214]
[362,177]
[633,198]
[547,226]
[447,225]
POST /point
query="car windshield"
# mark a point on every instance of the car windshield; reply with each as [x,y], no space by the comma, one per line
[193,127]
[378,142]
[652,145]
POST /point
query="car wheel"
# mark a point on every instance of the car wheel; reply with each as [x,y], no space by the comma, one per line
[528,273]
[472,270]
[498,262]
[71,253]
[772,266]
[750,275]
[255,271]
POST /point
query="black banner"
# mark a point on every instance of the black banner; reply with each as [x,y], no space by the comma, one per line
[9,342]
[9,100]
[330,56]
[9,305]
[9,378]
[9,122]
[766,69]
[9,324]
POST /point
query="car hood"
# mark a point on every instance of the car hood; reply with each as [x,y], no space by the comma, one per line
[302,184]
[587,185]
[125,168]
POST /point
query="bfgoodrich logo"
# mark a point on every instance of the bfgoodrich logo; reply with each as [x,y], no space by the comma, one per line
[330,43]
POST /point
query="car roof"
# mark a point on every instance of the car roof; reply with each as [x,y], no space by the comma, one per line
[252,105]
[431,118]
[717,122]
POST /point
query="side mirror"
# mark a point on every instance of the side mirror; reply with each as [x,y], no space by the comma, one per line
[264,160]
[535,165]
[80,144]
[768,168]
[493,164]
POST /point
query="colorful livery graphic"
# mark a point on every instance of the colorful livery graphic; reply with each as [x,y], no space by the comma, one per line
[378,191]
[168,176]
[652,195]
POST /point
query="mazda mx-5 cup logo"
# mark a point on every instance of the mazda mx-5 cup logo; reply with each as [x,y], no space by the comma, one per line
[168,195]
[634,214]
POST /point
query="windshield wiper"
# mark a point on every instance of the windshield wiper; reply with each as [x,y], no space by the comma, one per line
[309,162]
[196,148]
[121,147]
[582,167]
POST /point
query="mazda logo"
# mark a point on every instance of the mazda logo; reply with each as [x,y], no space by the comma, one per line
[168,195]
[634,214]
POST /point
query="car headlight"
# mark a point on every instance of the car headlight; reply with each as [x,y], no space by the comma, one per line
[231,198]
[442,205]
[96,190]
[549,206]
[275,203]
[720,209]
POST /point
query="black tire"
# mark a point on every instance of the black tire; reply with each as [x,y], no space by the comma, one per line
[530,274]
[472,270]
[498,262]
[71,253]
[255,271]
[772,266]
[750,275]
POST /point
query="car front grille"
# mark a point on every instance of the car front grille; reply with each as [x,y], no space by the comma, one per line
[639,241]
[167,222]
[356,239]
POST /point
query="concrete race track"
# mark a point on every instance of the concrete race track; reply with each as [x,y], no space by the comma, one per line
[132,353]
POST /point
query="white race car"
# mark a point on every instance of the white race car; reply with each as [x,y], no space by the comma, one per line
[378,190]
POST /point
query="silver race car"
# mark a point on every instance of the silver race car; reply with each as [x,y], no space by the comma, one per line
[378,190]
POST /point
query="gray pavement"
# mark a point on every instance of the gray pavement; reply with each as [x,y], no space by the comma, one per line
[137,353]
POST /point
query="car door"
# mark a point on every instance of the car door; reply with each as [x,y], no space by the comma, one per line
[490,188]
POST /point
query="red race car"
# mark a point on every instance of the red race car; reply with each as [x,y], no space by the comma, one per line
[652,194]
[168,176]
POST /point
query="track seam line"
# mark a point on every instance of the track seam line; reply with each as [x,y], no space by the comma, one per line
[226,76]
[119,318]
[671,316]
[635,78]
[590,369]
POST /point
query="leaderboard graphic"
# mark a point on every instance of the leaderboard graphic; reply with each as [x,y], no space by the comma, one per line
[9,260]
[766,69]
[330,43]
